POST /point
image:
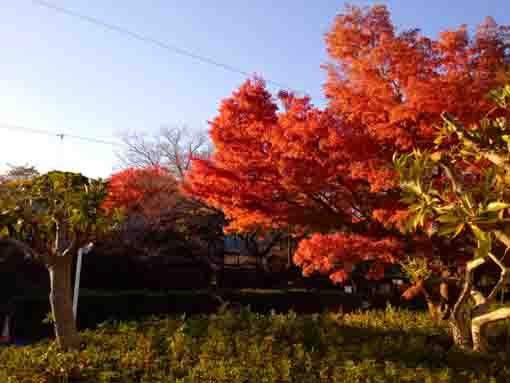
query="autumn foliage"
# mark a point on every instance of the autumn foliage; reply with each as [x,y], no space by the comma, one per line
[283,162]
[142,190]
[336,254]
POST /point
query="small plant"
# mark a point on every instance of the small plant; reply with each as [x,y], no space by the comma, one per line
[416,268]
[49,319]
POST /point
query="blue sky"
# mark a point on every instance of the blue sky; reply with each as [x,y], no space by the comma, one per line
[65,75]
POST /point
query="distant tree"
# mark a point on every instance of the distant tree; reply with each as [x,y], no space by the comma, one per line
[148,191]
[49,217]
[158,218]
[149,198]
[20,172]
[171,147]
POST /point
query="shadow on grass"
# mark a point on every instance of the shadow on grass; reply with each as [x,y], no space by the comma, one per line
[231,345]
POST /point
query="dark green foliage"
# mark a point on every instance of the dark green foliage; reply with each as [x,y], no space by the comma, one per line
[230,346]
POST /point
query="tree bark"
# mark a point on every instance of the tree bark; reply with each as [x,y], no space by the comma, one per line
[434,311]
[61,303]
[460,330]
[469,325]
[459,319]
[478,327]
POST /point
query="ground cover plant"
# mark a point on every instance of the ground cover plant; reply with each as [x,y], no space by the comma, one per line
[237,345]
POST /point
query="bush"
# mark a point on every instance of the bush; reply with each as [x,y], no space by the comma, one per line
[242,346]
[97,306]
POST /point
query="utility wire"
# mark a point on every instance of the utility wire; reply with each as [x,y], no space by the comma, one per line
[150,40]
[60,135]
[139,37]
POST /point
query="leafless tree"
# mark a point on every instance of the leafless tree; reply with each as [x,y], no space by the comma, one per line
[19,172]
[202,225]
[171,147]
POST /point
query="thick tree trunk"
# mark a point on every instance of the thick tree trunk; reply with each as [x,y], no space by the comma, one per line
[479,327]
[460,317]
[460,330]
[469,324]
[61,303]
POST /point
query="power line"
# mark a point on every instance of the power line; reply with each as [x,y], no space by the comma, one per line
[60,135]
[147,39]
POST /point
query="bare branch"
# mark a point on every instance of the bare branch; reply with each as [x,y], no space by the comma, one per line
[468,286]
[479,341]
[171,147]
[70,248]
[139,151]
[503,277]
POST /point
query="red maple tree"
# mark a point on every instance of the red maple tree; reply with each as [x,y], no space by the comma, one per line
[283,162]
[142,190]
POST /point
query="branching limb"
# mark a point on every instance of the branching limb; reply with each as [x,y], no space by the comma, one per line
[502,237]
[478,297]
[477,324]
[458,320]
[470,142]
[71,248]
[503,277]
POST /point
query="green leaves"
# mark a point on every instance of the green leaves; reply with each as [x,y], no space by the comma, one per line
[471,189]
[450,230]
[497,206]
[501,96]
[448,218]
[30,209]
[483,240]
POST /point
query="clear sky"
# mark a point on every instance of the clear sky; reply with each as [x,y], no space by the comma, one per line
[65,75]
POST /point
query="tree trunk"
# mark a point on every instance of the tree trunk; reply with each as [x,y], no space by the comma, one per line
[433,305]
[479,326]
[434,310]
[61,303]
[460,331]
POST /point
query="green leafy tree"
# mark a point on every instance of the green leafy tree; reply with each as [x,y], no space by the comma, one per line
[462,190]
[49,217]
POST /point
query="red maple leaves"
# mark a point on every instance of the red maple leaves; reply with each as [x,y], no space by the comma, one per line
[281,162]
[142,190]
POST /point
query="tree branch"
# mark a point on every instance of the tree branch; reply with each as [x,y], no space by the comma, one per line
[502,237]
[503,277]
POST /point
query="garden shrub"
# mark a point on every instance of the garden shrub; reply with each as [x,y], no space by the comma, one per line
[244,346]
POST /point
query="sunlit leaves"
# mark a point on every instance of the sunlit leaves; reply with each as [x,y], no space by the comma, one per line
[146,190]
[474,196]
[397,84]
[31,209]
[281,160]
[497,206]
[336,254]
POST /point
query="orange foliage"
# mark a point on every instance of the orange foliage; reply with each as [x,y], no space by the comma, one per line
[147,191]
[330,170]
[396,85]
[336,254]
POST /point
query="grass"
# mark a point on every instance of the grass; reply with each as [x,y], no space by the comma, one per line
[242,346]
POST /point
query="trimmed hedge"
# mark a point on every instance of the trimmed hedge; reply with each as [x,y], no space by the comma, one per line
[97,307]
